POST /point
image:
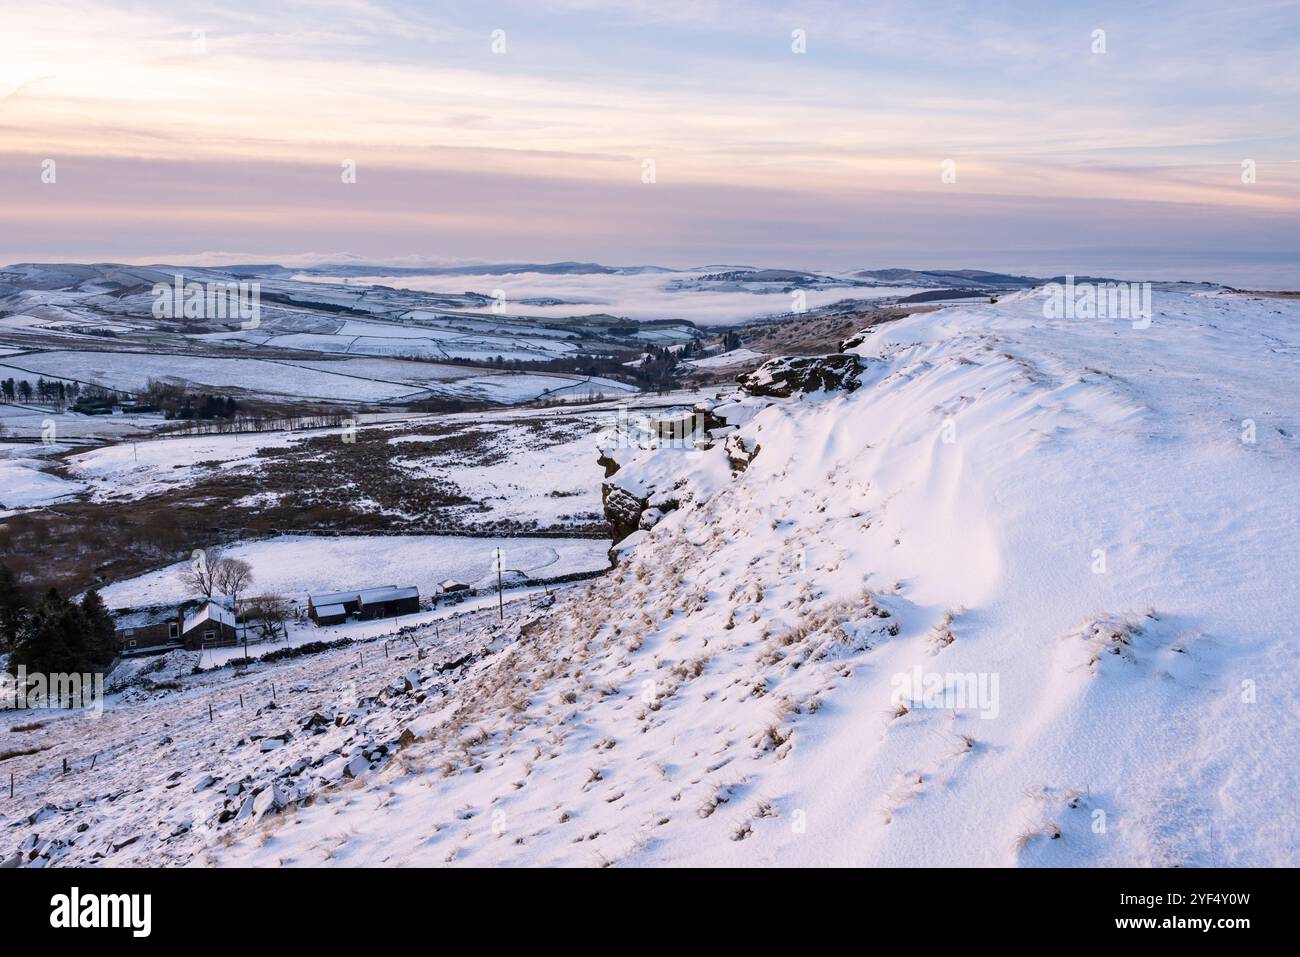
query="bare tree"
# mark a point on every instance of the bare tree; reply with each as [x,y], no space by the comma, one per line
[232,577]
[270,612]
[200,575]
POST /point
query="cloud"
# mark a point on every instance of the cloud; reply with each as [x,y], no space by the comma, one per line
[549,139]
[123,209]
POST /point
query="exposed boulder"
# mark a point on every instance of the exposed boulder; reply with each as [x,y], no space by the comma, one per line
[721,416]
[357,766]
[44,814]
[790,375]
[318,723]
[629,513]
[270,799]
[678,428]
[709,419]
[623,510]
[740,451]
[610,465]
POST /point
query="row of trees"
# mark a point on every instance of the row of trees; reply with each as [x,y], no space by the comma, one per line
[51,391]
[175,402]
[288,422]
[54,635]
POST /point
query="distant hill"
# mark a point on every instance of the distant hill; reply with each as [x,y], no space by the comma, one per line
[482,269]
[948,278]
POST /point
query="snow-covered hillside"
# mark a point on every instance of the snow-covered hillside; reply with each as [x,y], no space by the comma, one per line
[1015,591]
[1069,519]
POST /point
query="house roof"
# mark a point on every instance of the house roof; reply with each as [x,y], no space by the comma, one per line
[374,596]
[211,611]
[125,618]
[334,597]
[329,611]
[363,596]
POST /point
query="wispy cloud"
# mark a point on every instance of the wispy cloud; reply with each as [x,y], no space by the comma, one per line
[712,93]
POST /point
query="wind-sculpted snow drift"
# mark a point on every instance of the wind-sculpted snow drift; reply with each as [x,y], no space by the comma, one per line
[1021,596]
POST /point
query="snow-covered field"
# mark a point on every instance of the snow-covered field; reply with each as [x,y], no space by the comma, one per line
[522,483]
[359,380]
[547,488]
[734,357]
[426,375]
[1023,597]
[24,481]
[131,372]
[522,387]
[297,565]
[362,338]
[128,470]
[32,421]
[134,467]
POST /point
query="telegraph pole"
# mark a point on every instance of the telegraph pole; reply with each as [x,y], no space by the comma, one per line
[501,608]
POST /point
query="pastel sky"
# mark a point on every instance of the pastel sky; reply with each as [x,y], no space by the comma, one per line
[198,132]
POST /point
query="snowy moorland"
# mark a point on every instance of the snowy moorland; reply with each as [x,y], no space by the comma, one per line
[707,296]
[986,589]
[314,342]
[351,334]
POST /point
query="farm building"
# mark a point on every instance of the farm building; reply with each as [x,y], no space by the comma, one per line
[209,626]
[367,604]
[149,630]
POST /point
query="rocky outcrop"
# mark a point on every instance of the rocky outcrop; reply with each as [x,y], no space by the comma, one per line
[622,510]
[792,375]
[636,504]
[628,512]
